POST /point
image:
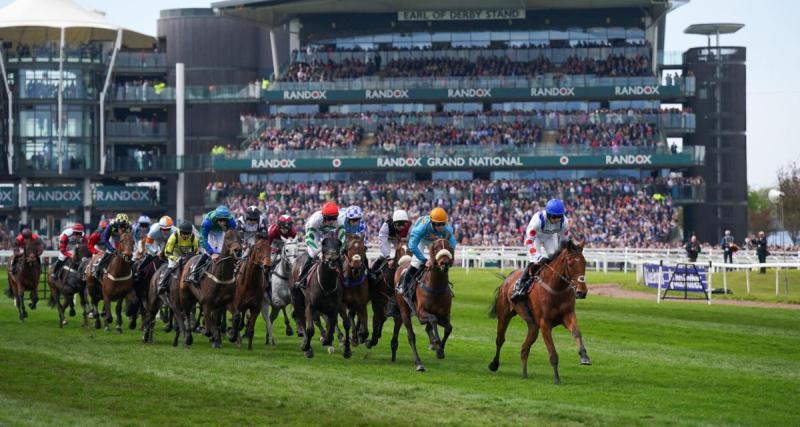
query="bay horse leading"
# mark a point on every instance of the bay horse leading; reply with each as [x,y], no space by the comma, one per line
[433,302]
[549,304]
[249,292]
[355,295]
[117,283]
[214,291]
[68,282]
[29,267]
[322,295]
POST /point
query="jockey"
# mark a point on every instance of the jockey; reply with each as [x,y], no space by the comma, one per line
[140,230]
[19,246]
[179,245]
[545,232]
[70,239]
[116,228]
[353,220]
[426,229]
[252,224]
[279,232]
[96,237]
[212,236]
[155,241]
[393,230]
[323,223]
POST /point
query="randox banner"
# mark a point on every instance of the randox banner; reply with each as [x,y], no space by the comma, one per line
[8,197]
[455,162]
[62,197]
[117,195]
[468,93]
[685,277]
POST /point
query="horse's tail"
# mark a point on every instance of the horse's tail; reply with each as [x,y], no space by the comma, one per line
[493,306]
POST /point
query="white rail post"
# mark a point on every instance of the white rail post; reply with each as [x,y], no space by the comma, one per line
[725,279]
[777,289]
[747,279]
[660,279]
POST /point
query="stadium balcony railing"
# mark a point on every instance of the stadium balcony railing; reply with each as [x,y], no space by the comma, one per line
[211,93]
[124,60]
[136,130]
[687,84]
[370,122]
[516,54]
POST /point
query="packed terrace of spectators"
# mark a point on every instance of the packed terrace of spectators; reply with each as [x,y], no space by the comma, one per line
[607,212]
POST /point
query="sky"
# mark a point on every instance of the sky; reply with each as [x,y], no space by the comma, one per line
[771,36]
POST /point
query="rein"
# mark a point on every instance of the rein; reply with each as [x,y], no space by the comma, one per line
[571,287]
[319,281]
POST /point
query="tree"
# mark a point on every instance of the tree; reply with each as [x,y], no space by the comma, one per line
[759,211]
[789,183]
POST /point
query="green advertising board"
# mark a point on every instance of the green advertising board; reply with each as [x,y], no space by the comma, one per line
[318,96]
[459,162]
[60,197]
[8,197]
[122,196]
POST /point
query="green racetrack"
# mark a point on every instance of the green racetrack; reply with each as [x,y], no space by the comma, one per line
[674,363]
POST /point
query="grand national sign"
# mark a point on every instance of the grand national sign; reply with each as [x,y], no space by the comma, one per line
[117,195]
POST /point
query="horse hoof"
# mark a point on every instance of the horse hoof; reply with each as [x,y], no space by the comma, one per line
[168,328]
[215,345]
[309,353]
[331,349]
[119,329]
[24,314]
[586,362]
[71,312]
[369,344]
[524,376]
[97,325]
[289,332]
[440,354]
[190,340]
[108,329]
[64,322]
[557,381]
[354,342]
[494,365]
[347,354]
[132,326]
[420,368]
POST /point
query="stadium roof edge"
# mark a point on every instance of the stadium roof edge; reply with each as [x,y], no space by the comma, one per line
[713,28]
[277,12]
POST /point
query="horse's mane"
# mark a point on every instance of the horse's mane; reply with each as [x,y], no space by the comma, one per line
[566,246]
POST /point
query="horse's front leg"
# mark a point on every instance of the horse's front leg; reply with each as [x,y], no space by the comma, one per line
[412,338]
[85,308]
[363,328]
[251,328]
[347,324]
[34,295]
[119,315]
[308,329]
[547,334]
[571,323]
[448,328]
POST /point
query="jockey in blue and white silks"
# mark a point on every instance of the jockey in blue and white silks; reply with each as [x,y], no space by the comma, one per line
[543,237]
[353,222]
[212,236]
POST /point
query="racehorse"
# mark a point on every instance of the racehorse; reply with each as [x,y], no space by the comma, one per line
[142,279]
[27,278]
[214,291]
[321,296]
[117,283]
[380,288]
[355,295]
[249,293]
[69,282]
[549,304]
[280,295]
[433,302]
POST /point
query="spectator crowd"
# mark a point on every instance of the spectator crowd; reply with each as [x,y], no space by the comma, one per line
[605,212]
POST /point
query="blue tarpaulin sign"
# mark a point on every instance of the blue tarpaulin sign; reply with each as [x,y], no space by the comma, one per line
[684,278]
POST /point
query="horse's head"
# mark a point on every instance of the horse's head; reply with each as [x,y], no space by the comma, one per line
[31,252]
[125,246]
[331,251]
[442,254]
[232,244]
[355,255]
[289,252]
[261,252]
[571,255]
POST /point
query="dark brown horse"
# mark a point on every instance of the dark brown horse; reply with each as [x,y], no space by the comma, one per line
[93,289]
[214,291]
[433,302]
[381,288]
[549,304]
[249,294]
[355,295]
[69,282]
[322,296]
[142,279]
[29,268]
[117,282]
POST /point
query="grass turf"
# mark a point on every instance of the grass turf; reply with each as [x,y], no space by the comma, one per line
[684,364]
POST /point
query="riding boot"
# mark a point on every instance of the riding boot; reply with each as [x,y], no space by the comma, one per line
[142,264]
[60,262]
[301,283]
[163,284]
[194,275]
[404,287]
[523,285]
[14,265]
[101,265]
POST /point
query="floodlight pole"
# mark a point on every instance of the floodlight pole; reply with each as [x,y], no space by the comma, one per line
[10,146]
[61,103]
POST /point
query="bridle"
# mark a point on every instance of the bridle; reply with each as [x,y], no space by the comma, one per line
[573,283]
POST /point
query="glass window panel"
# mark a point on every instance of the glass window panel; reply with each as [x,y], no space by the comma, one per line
[478,36]
[558,35]
[635,33]
[519,35]
[421,37]
[441,37]
[383,38]
[499,35]
[616,33]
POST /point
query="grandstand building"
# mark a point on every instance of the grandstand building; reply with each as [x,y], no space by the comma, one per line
[382,93]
